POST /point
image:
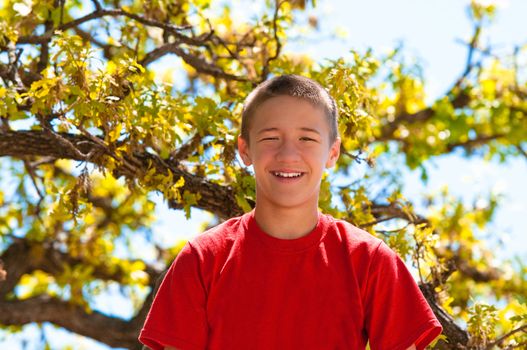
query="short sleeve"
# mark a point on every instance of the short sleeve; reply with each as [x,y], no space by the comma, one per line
[177,317]
[396,313]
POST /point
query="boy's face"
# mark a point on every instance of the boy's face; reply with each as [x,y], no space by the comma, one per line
[289,149]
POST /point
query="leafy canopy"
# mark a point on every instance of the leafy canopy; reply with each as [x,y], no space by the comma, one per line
[107,103]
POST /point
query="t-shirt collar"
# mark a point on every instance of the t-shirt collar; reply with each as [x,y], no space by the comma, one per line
[286,245]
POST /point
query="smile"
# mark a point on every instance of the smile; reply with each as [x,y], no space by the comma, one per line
[287,175]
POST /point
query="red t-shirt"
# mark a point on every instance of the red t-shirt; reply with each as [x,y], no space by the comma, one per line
[236,287]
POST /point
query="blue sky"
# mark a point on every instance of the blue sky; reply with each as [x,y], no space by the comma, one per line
[430,31]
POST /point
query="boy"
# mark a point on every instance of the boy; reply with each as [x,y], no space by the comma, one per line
[285,276]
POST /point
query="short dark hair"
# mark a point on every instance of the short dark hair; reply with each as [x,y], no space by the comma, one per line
[295,86]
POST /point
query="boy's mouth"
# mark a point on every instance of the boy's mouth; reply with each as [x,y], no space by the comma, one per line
[287,175]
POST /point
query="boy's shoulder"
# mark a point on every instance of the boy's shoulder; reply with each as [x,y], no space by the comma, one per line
[222,235]
[351,235]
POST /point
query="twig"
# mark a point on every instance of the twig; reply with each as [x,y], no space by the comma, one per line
[198,63]
[506,335]
[175,30]
[265,71]
[97,5]
[185,150]
[14,56]
[470,56]
[357,158]
[44,46]
[106,48]
[31,172]
[521,150]
[61,140]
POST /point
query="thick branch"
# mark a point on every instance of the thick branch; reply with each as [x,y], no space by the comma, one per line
[472,143]
[460,101]
[15,265]
[21,257]
[215,198]
[475,274]
[112,331]
[457,337]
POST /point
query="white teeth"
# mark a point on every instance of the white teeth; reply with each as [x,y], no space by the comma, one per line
[281,174]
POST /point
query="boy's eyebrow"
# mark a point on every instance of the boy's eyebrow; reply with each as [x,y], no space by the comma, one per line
[310,130]
[266,130]
[302,128]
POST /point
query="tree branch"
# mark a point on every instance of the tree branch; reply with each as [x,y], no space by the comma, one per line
[461,100]
[106,48]
[97,5]
[522,151]
[392,211]
[13,266]
[458,338]
[44,46]
[215,198]
[505,336]
[198,63]
[265,71]
[20,258]
[174,30]
[469,144]
[112,331]
[186,150]
[472,46]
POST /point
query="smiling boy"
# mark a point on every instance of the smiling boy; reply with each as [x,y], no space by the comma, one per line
[285,276]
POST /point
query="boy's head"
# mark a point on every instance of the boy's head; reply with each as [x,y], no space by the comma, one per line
[289,136]
[295,86]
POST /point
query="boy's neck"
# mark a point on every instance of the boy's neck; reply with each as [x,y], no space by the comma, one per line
[286,223]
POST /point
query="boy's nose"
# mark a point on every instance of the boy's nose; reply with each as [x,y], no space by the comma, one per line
[288,152]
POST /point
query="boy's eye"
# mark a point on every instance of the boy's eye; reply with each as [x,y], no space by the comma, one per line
[269,138]
[307,139]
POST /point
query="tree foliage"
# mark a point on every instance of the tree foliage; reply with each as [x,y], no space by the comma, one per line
[93,123]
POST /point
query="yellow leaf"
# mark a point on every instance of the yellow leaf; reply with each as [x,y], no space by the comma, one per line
[115,133]
[180,183]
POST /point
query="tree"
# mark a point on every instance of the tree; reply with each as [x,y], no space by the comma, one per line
[88,134]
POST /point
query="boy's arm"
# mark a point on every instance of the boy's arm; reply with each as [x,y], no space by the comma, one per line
[392,287]
[410,348]
[177,317]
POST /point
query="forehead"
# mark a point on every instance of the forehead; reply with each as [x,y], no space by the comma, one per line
[288,112]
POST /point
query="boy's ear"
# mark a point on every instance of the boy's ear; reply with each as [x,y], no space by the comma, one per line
[243,150]
[334,153]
